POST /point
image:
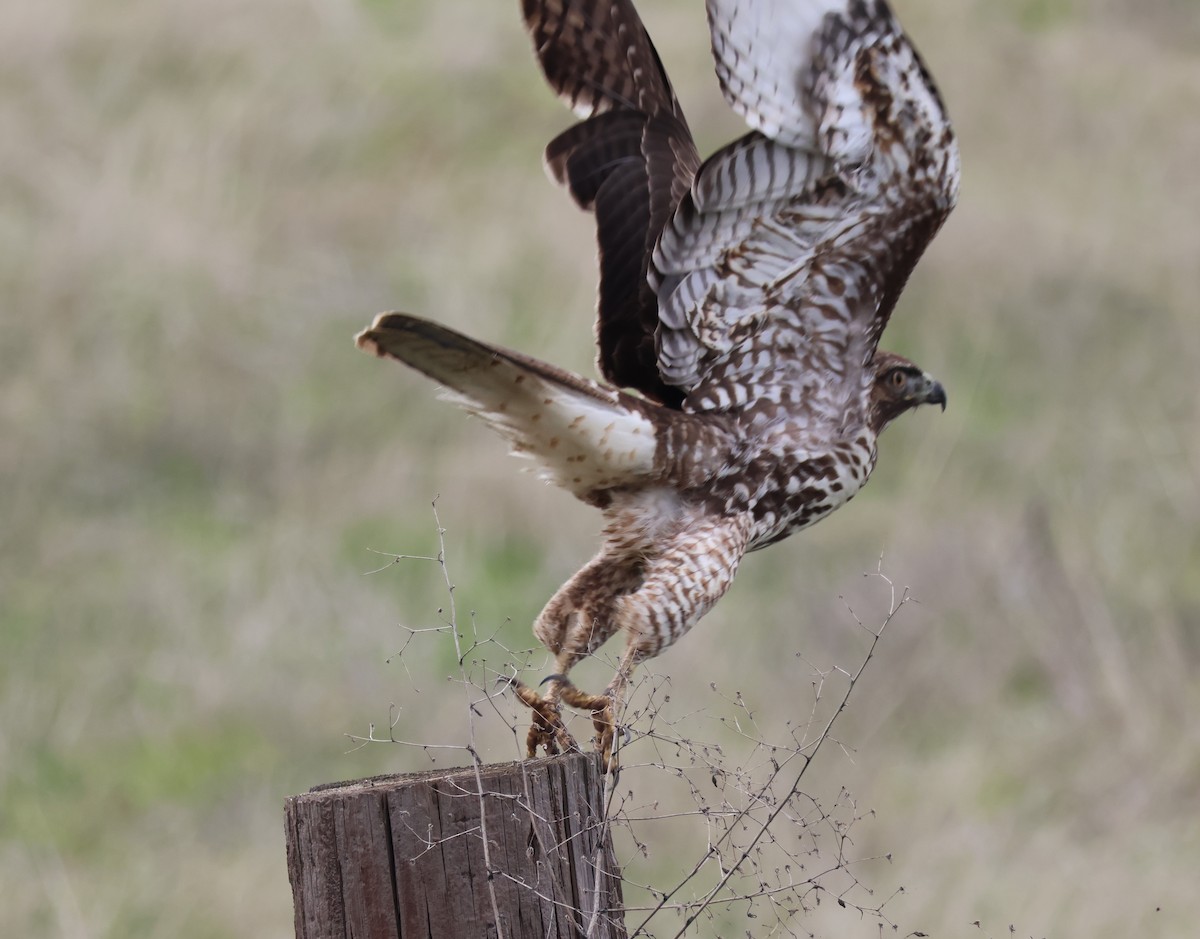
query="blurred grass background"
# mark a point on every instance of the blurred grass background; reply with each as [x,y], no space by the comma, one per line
[204,201]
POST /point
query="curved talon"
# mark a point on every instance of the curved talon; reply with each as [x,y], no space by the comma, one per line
[604,721]
[541,733]
[547,730]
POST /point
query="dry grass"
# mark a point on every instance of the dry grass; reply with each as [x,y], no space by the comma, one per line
[204,201]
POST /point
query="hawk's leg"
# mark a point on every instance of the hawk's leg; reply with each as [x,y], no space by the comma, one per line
[681,580]
[604,707]
[547,729]
[575,622]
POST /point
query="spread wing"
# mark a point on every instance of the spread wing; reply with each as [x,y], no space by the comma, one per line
[630,161]
[777,273]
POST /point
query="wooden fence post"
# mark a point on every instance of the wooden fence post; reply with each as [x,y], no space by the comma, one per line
[406,856]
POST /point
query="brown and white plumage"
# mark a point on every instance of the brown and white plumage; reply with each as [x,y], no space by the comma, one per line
[742,297]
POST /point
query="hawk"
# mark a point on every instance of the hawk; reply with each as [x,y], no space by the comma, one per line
[741,303]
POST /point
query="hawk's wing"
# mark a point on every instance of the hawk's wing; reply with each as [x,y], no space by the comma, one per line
[777,273]
[630,161]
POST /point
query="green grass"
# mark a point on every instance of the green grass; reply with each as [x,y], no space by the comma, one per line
[204,202]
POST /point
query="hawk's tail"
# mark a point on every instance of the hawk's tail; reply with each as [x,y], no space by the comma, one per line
[585,436]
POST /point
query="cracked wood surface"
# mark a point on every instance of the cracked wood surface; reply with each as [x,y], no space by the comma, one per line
[404,856]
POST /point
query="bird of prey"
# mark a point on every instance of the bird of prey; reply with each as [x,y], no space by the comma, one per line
[741,303]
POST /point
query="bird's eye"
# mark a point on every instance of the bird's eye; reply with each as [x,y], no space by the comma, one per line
[899,379]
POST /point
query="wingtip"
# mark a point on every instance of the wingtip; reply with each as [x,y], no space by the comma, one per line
[368,339]
[367,343]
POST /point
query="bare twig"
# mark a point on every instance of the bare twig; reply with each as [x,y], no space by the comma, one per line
[766,843]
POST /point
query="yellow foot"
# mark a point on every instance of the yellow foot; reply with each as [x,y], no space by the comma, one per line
[603,708]
[547,730]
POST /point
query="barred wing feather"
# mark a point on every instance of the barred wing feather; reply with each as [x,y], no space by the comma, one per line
[631,161]
[778,271]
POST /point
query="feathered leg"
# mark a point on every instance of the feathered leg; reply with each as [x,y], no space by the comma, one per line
[576,621]
[679,585]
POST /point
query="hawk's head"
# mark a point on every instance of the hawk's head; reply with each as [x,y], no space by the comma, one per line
[899,386]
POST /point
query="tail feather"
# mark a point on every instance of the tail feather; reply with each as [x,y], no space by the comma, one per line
[583,435]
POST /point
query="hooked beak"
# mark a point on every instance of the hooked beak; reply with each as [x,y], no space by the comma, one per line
[934,392]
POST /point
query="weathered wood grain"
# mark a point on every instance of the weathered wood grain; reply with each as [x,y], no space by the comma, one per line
[403,856]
